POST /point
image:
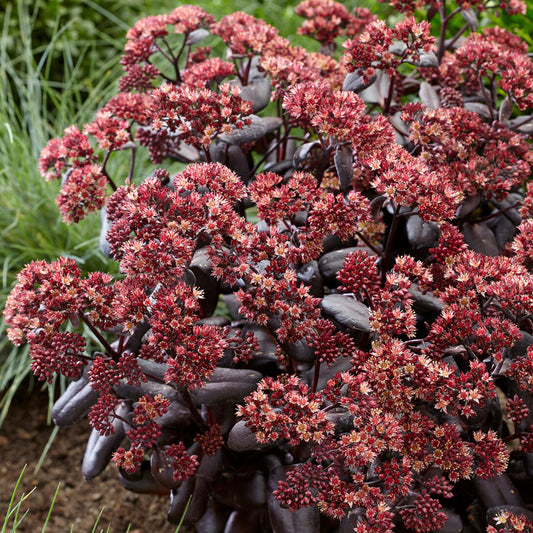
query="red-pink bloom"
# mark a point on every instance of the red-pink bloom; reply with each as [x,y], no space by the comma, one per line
[491,55]
[184,464]
[244,34]
[359,275]
[370,50]
[111,132]
[207,73]
[198,116]
[54,353]
[284,409]
[211,440]
[210,179]
[45,296]
[189,18]
[425,515]
[83,192]
[130,106]
[327,19]
[491,454]
[60,153]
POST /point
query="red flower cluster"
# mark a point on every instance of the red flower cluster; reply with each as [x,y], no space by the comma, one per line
[371,50]
[327,19]
[484,58]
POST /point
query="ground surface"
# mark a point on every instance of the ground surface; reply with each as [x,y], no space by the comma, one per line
[23,437]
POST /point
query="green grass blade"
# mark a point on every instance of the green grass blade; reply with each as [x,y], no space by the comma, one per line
[45,525]
[46,449]
[183,515]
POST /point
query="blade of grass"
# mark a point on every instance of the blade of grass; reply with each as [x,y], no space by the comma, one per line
[45,525]
[98,520]
[46,449]
[183,515]
[14,509]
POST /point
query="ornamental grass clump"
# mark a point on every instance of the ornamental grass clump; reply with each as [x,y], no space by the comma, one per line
[323,321]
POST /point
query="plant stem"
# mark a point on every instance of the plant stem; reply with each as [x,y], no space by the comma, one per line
[388,247]
[112,353]
[186,396]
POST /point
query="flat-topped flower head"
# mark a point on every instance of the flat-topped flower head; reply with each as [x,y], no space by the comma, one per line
[197,116]
[45,296]
[73,149]
[244,34]
[327,20]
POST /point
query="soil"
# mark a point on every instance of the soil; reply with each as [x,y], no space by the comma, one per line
[23,437]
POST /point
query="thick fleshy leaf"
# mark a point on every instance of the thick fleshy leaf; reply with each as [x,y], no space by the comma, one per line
[481,109]
[523,124]
[240,521]
[468,206]
[179,499]
[186,153]
[307,152]
[196,36]
[232,156]
[105,226]
[227,385]
[471,18]
[74,403]
[497,491]
[425,302]
[342,419]
[214,520]
[398,124]
[199,486]
[162,468]
[141,481]
[341,364]
[505,231]
[519,348]
[528,464]
[347,311]
[244,488]
[481,239]
[280,167]
[378,91]
[242,438]
[309,274]
[299,351]
[397,48]
[512,214]
[426,60]
[454,524]
[272,123]
[248,133]
[356,83]
[349,522]
[201,267]
[421,233]
[343,160]
[257,91]
[429,96]
[506,109]
[133,392]
[177,414]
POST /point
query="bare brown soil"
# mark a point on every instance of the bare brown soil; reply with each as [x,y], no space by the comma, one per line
[23,437]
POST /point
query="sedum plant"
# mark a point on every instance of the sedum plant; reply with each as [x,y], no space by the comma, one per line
[322,322]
